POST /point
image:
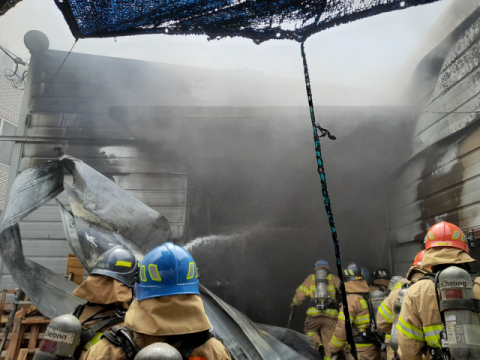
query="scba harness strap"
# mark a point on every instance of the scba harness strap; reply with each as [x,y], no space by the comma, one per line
[89,334]
[123,337]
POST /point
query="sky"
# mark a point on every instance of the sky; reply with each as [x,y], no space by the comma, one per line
[368,53]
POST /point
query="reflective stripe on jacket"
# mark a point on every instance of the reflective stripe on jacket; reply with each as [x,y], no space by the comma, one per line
[360,319]
[419,322]
[306,291]
[386,310]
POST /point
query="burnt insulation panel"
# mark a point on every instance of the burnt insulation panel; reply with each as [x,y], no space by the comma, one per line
[259,20]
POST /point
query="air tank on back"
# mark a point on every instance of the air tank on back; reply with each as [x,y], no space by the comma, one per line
[396,314]
[322,297]
[160,351]
[461,322]
[377,298]
[61,339]
[392,283]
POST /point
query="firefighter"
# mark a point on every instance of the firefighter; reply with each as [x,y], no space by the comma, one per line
[420,322]
[381,280]
[108,292]
[386,311]
[358,307]
[167,308]
[320,323]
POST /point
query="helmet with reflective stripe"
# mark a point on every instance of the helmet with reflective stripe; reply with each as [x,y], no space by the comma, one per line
[168,269]
[321,262]
[381,274]
[418,258]
[447,235]
[117,263]
[352,272]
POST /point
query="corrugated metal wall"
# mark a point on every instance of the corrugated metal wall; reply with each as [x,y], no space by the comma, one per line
[442,179]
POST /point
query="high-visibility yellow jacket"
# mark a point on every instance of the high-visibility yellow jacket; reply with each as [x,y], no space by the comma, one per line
[386,310]
[419,322]
[359,317]
[306,291]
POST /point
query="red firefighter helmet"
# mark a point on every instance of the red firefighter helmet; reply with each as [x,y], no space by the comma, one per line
[418,258]
[446,234]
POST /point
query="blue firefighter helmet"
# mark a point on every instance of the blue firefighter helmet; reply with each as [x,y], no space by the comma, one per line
[168,269]
[117,263]
[321,262]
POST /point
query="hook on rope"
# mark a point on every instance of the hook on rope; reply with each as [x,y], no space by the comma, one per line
[324,132]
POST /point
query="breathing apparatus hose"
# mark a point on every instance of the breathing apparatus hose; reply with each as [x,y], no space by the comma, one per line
[326,201]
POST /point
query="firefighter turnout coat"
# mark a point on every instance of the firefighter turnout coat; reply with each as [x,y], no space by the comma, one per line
[100,290]
[306,291]
[386,310]
[319,324]
[156,319]
[360,319]
[419,323]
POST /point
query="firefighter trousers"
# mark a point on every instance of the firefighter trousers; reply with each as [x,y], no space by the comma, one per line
[367,353]
[320,330]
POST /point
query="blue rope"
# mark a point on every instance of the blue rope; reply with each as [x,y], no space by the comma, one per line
[328,206]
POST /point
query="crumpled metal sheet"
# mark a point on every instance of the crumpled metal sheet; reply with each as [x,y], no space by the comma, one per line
[298,342]
[281,348]
[145,227]
[240,335]
[71,234]
[92,229]
[50,293]
[90,237]
[32,188]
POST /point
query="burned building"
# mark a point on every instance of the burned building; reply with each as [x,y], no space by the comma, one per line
[226,157]
[440,179]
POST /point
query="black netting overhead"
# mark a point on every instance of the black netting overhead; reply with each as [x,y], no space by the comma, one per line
[258,20]
[6,5]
